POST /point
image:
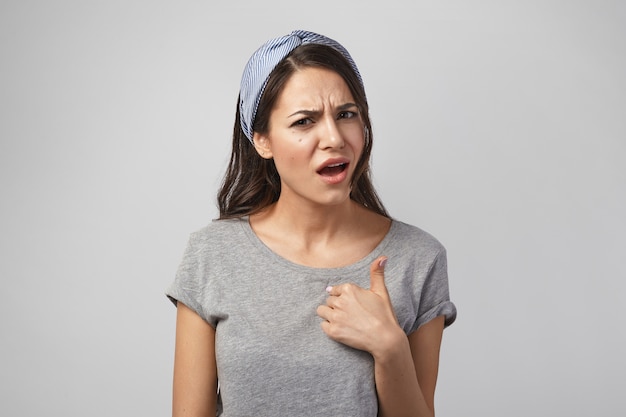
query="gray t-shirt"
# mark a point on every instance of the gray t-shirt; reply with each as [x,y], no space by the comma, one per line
[273,358]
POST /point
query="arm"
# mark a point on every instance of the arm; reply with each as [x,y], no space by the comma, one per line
[195,371]
[406,372]
[405,368]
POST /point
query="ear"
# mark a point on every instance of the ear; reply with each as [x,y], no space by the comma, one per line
[262,145]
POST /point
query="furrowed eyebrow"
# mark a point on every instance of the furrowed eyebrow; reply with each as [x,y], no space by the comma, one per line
[347,106]
[310,113]
[305,113]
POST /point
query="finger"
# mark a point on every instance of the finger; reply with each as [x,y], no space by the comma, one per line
[334,290]
[377,276]
[331,301]
[325,327]
[324,312]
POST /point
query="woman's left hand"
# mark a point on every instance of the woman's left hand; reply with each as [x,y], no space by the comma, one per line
[361,318]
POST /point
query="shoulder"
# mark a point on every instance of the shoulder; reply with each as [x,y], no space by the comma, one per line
[219,244]
[409,237]
[217,238]
[218,231]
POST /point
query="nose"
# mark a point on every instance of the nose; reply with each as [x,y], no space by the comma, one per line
[331,135]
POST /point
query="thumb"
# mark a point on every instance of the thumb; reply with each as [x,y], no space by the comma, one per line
[377,276]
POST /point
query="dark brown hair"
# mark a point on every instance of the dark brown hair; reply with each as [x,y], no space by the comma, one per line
[251,182]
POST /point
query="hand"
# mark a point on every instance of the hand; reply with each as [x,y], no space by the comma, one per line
[361,318]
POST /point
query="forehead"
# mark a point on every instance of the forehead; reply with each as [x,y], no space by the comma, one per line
[312,87]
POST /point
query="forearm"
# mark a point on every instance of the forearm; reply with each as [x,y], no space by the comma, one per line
[397,386]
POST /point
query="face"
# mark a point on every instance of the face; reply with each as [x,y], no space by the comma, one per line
[315,137]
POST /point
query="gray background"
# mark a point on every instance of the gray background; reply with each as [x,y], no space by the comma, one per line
[499,127]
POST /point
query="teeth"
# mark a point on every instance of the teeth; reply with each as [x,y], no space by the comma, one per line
[335,165]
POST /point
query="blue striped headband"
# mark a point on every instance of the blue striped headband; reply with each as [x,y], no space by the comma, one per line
[263,62]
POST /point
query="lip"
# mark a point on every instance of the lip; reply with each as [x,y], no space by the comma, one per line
[336,178]
[332,161]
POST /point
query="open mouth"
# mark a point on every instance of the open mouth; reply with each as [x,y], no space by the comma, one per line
[333,169]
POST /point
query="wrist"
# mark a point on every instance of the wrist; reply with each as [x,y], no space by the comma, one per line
[391,343]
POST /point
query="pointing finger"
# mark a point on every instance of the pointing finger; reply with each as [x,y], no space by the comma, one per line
[377,275]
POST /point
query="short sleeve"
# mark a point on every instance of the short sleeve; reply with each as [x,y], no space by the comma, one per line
[190,283]
[435,294]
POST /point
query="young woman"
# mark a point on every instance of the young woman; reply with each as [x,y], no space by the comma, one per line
[306,298]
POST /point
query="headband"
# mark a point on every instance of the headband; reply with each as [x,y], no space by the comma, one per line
[263,62]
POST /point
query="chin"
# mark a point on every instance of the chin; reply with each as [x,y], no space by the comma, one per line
[336,199]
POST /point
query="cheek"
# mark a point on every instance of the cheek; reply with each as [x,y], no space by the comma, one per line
[295,148]
[289,161]
[356,136]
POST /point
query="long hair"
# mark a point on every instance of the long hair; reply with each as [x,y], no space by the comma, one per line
[252,183]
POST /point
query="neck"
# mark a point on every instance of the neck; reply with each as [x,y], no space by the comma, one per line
[312,222]
[319,235]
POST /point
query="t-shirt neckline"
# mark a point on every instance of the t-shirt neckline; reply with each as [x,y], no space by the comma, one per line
[274,257]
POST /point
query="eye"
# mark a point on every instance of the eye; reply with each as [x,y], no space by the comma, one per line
[302,122]
[346,114]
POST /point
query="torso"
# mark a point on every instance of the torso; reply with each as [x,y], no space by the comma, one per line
[272,356]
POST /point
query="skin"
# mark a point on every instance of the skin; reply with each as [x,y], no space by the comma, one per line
[315,223]
[195,371]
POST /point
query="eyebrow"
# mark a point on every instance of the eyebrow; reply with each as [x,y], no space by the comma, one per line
[343,107]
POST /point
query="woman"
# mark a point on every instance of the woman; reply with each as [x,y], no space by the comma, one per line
[305,298]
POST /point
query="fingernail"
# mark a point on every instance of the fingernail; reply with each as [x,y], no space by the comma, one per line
[382,263]
[329,289]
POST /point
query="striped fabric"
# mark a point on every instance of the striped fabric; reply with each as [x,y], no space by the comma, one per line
[265,59]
